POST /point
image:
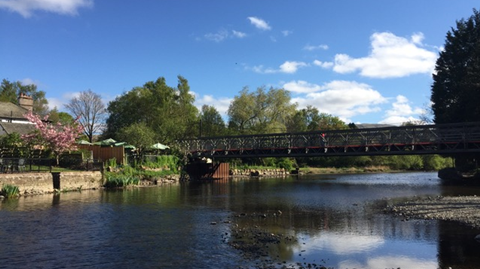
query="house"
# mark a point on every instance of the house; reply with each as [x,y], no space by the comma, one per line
[12,118]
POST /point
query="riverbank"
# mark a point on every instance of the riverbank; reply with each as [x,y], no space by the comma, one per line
[463,209]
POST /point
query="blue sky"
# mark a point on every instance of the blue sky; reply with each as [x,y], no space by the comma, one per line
[363,61]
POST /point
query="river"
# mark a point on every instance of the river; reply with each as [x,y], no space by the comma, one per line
[335,221]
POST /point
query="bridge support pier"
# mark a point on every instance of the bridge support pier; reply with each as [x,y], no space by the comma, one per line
[200,170]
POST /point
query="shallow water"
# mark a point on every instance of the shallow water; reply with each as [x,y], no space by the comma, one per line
[336,221]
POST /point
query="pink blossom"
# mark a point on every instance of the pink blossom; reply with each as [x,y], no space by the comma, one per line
[59,138]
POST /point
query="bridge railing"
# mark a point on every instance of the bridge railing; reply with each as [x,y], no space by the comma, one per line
[417,139]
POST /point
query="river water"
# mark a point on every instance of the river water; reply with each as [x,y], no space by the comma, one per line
[335,221]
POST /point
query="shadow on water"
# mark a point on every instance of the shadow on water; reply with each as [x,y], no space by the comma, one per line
[334,221]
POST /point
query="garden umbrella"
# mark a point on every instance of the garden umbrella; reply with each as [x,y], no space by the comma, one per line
[106,142]
[159,146]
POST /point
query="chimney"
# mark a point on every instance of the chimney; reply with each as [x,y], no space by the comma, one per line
[25,101]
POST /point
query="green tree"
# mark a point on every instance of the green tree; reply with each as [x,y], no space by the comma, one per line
[261,111]
[9,92]
[456,81]
[330,122]
[90,112]
[63,117]
[306,119]
[139,135]
[211,122]
[168,111]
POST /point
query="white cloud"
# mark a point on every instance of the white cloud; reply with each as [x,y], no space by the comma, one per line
[344,99]
[301,87]
[224,34]
[291,67]
[55,103]
[418,38]
[391,56]
[239,34]
[401,112]
[318,47]
[325,65]
[221,104]
[287,67]
[259,23]
[218,36]
[27,7]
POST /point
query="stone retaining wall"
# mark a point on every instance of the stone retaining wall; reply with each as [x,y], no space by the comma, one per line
[39,183]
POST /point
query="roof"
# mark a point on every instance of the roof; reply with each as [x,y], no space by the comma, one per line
[20,128]
[9,110]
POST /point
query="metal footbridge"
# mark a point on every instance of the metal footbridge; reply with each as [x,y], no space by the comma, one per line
[405,140]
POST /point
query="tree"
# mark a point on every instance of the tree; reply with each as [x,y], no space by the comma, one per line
[58,138]
[456,81]
[168,111]
[9,92]
[90,112]
[261,111]
[62,117]
[306,119]
[139,135]
[211,123]
[330,122]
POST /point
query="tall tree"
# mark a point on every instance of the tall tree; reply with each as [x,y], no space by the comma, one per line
[211,122]
[90,112]
[168,111]
[261,111]
[306,119]
[10,91]
[456,81]
[330,122]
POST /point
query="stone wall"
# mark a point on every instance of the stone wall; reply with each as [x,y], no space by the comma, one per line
[80,180]
[39,183]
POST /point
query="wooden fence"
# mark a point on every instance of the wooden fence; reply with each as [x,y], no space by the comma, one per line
[104,154]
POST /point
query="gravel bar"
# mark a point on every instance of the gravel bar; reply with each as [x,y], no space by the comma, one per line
[463,209]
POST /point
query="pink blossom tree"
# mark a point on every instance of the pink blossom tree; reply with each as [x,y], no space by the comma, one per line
[57,137]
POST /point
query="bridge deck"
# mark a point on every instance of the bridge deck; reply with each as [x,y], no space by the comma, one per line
[411,140]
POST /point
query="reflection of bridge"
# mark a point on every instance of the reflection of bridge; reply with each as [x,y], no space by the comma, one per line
[418,139]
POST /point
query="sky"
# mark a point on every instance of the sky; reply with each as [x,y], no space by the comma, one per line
[365,61]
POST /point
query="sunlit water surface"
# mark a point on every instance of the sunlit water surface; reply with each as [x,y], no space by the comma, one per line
[337,221]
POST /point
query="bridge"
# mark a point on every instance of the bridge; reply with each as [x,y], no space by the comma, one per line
[405,140]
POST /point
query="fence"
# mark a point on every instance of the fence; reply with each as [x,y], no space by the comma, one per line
[104,154]
[11,165]
[21,165]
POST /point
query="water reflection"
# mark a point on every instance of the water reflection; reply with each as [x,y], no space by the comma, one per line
[335,221]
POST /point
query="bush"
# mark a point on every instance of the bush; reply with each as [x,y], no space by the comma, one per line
[116,180]
[285,163]
[166,162]
[10,191]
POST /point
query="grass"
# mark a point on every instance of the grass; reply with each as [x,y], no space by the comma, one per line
[10,191]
